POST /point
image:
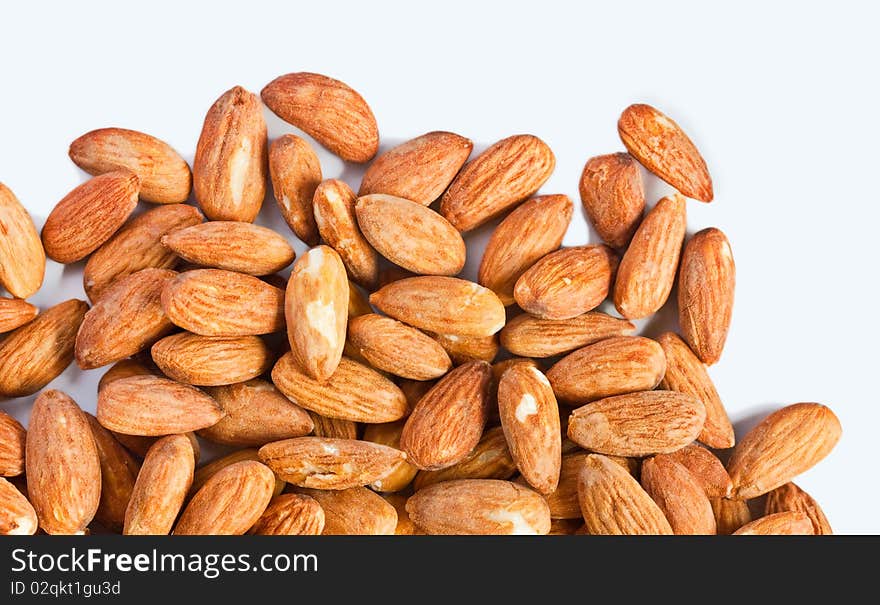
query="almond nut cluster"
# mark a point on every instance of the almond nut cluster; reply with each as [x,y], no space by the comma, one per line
[374,391]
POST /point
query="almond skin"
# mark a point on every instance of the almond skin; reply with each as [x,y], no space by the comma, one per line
[525,236]
[296,173]
[354,512]
[17,516]
[22,259]
[785,444]
[448,421]
[402,472]
[662,147]
[419,169]
[290,515]
[214,302]
[566,283]
[36,353]
[153,406]
[706,283]
[397,348]
[679,495]
[778,524]
[563,501]
[211,360]
[204,473]
[123,369]
[647,269]
[730,515]
[705,467]
[328,110]
[58,439]
[462,349]
[530,336]
[164,175]
[504,175]
[89,215]
[790,497]
[490,459]
[229,169]
[411,235]
[446,305]
[638,424]
[119,470]
[333,427]
[12,444]
[14,313]
[614,366]
[613,196]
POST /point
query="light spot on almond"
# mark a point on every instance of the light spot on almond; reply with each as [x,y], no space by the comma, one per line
[518,524]
[239,166]
[322,318]
[527,407]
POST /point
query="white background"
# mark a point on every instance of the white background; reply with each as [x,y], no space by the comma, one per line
[781,99]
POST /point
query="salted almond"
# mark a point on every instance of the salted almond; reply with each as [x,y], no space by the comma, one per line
[785,444]
[296,173]
[290,515]
[119,470]
[613,196]
[204,473]
[402,472]
[531,336]
[123,369]
[354,512]
[730,515]
[229,169]
[706,468]
[462,349]
[446,305]
[790,497]
[490,459]
[328,110]
[36,353]
[679,495]
[411,235]
[647,269]
[211,360]
[12,444]
[22,259]
[17,516]
[215,302]
[504,175]
[638,424]
[397,348]
[614,366]
[790,523]
[14,313]
[333,427]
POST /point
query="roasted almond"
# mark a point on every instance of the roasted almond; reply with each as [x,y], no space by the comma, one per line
[296,173]
[405,526]
[531,336]
[123,369]
[790,497]
[22,259]
[333,427]
[679,495]
[205,472]
[211,360]
[490,459]
[613,196]
[290,515]
[791,523]
[730,515]
[17,516]
[462,349]
[119,470]
[14,313]
[402,472]
[706,468]
[354,512]
[563,501]
[12,444]
[397,348]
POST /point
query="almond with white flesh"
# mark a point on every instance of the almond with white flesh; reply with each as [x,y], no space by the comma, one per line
[333,427]
[204,473]
[14,313]
[215,302]
[530,336]
[647,269]
[62,465]
[296,173]
[211,360]
[679,495]
[638,424]
[490,459]
[397,348]
[446,305]
[479,507]
[22,259]
[662,147]
[12,444]
[119,470]
[706,468]
[402,472]
[791,498]
[164,175]
[462,349]
[613,196]
[448,421]
[785,444]
[354,512]
[614,366]
[89,215]
[17,516]
[530,418]
[411,235]
[419,169]
[229,169]
[567,283]
[504,175]
[778,524]
[290,515]
[525,236]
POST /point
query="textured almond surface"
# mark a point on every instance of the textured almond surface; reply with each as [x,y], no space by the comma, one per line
[730,515]
[396,348]
[123,369]
[14,313]
[531,336]
[206,471]
[613,196]
[462,349]
[354,512]
[490,459]
[17,516]
[679,495]
[296,173]
[211,360]
[119,470]
[290,515]
[706,468]
[22,259]
[12,444]
[333,427]
[563,501]
[778,524]
[790,497]
[402,472]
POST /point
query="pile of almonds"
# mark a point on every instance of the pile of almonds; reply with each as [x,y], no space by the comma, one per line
[403,399]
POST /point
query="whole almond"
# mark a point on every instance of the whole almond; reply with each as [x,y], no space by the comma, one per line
[215,302]
[785,444]
[411,235]
[638,424]
[12,444]
[36,353]
[204,473]
[22,259]
[211,360]
[14,313]
[730,515]
[229,169]
[17,516]
[490,459]
[790,497]
[679,495]
[296,173]
[402,472]
[62,465]
[290,515]
[613,196]
[531,336]
[662,147]
[119,470]
[647,269]
[462,349]
[504,175]
[161,487]
[614,366]
[397,348]
[164,175]
[446,305]
[419,169]
[791,523]
[526,235]
[354,512]
[328,110]
[706,468]
[333,427]
[706,282]
[123,369]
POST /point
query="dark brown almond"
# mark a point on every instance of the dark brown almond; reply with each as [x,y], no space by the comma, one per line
[531,336]
[613,196]
[296,173]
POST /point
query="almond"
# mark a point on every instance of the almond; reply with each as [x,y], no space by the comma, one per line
[504,175]
[333,427]
[490,459]
[357,301]
[118,473]
[790,497]
[354,512]
[164,175]
[785,444]
[402,472]
[647,269]
[638,424]
[778,524]
[328,110]
[462,349]
[214,302]
[419,169]
[204,473]
[211,360]
[614,366]
[563,502]
[414,390]
[531,336]
[36,353]
[405,526]
[411,235]
[397,348]
[290,515]
[229,169]
[62,465]
[14,313]
[446,305]
[296,173]
[22,259]
[706,282]
[12,444]
[705,467]
[730,515]
[17,516]
[566,527]
[123,369]
[613,196]
[679,495]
